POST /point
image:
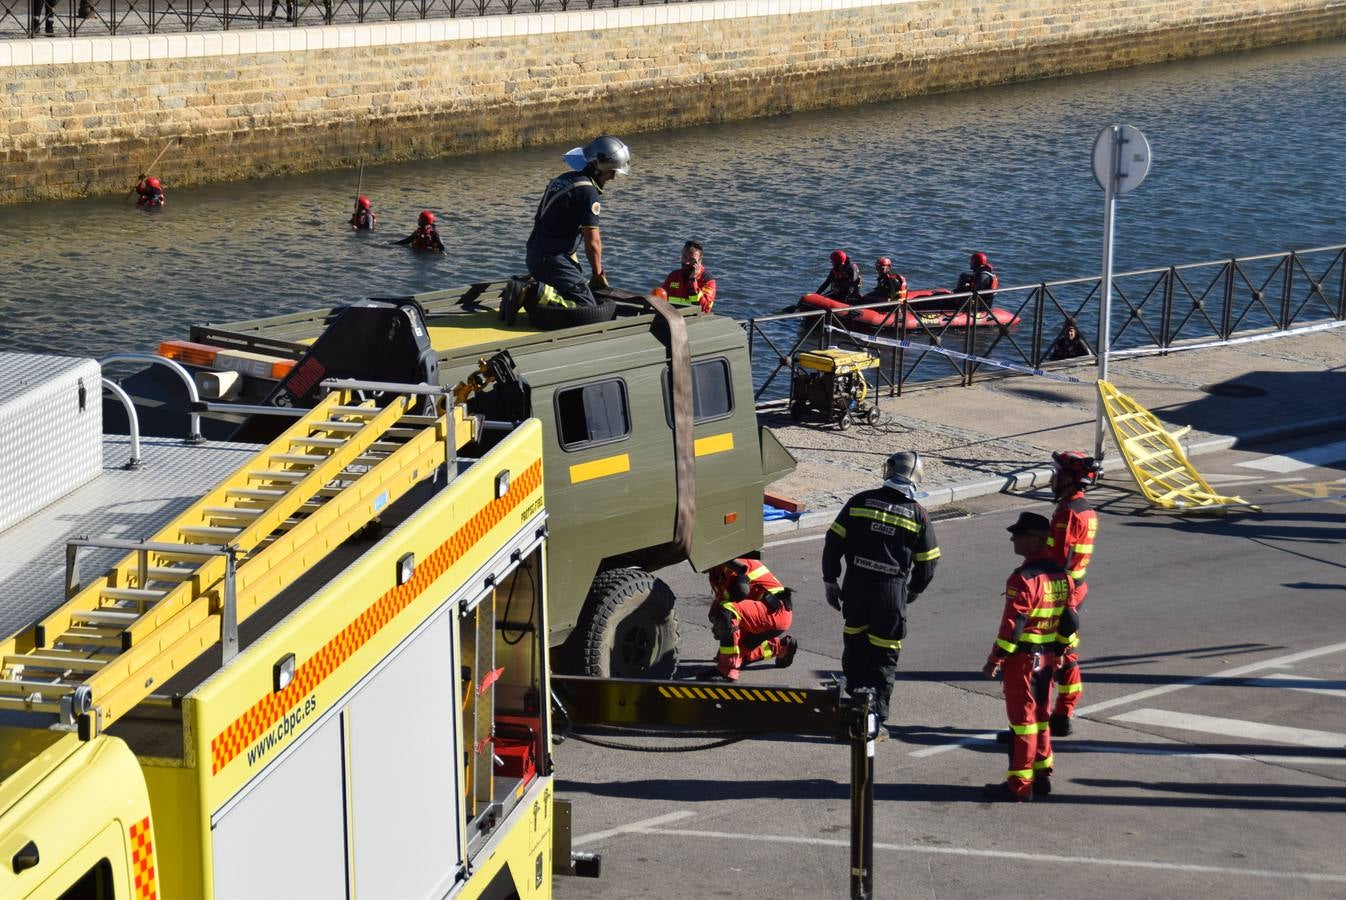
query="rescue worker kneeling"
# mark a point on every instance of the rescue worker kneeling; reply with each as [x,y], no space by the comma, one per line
[1035,596]
[750,611]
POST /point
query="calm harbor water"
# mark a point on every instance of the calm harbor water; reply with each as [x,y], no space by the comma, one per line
[1247,159]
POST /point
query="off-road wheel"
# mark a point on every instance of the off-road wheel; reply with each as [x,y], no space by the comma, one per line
[628,629]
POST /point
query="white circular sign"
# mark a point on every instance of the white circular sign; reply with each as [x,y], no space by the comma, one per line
[1128,168]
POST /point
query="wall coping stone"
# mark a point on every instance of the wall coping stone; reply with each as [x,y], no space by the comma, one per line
[64,51]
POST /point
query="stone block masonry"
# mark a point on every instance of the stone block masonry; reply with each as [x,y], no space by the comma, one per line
[78,115]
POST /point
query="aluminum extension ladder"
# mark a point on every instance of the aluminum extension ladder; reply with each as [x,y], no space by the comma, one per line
[118,638]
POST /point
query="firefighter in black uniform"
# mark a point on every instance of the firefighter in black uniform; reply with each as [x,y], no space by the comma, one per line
[889,546]
[567,217]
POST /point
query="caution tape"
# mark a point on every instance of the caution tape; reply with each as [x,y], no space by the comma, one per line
[1229,342]
[954,354]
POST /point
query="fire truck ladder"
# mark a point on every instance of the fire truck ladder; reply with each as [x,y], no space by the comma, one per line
[120,637]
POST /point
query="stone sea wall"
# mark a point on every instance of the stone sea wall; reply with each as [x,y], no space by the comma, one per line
[80,115]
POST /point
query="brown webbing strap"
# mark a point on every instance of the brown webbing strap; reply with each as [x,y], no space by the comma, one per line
[684,458]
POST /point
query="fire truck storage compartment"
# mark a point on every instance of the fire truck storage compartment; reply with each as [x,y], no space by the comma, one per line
[286,833]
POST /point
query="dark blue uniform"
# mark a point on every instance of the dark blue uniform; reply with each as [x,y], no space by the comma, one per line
[569,203]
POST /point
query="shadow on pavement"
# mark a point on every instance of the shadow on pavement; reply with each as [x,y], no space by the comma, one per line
[1283,391]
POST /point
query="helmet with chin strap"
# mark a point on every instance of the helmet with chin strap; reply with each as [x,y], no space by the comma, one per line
[979,261]
[1076,467]
[882,264]
[905,467]
[839,258]
[608,154]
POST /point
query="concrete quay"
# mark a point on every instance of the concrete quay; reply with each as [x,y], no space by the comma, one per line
[998,435]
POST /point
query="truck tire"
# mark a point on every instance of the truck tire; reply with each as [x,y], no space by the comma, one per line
[628,628]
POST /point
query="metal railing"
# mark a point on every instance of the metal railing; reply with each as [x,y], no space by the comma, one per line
[964,337]
[72,18]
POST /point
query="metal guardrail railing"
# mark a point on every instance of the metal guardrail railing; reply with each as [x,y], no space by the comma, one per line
[1156,308]
[85,18]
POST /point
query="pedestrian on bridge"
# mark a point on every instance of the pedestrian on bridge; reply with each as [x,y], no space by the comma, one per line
[1035,596]
[750,613]
[885,538]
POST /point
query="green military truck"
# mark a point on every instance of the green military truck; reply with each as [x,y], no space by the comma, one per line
[652,450]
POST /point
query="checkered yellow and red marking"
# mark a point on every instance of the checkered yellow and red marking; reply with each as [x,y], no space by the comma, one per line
[244,730]
[142,861]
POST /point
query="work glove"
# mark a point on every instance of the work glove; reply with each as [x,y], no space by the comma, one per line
[772,603]
[705,306]
[599,281]
[833,592]
[992,668]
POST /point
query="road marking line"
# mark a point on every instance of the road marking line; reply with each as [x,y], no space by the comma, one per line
[1277,679]
[640,827]
[1007,854]
[1307,458]
[796,540]
[1279,759]
[1251,479]
[1146,694]
[1256,731]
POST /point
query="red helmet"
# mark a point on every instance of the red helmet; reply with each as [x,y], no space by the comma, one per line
[153,182]
[427,217]
[839,258]
[723,576]
[882,264]
[362,202]
[1082,470]
[979,261]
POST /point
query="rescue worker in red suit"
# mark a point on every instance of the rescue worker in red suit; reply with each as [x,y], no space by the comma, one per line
[151,193]
[891,285]
[364,217]
[889,547]
[980,277]
[691,285]
[1036,595]
[843,282]
[750,612]
[426,236]
[1071,546]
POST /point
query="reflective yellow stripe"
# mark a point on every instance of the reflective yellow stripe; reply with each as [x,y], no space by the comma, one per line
[1044,763]
[1046,612]
[1038,638]
[1033,728]
[757,573]
[1051,542]
[715,443]
[1069,688]
[1006,645]
[887,518]
[1082,548]
[767,652]
[926,556]
[1076,574]
[733,611]
[838,529]
[885,643]
[729,651]
[854,629]
[1025,774]
[1072,641]
[600,468]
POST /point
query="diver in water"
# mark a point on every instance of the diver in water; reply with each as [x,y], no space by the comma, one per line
[426,237]
[151,193]
[364,218]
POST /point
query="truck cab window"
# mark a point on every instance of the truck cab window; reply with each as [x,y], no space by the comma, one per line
[712,394]
[95,884]
[591,414]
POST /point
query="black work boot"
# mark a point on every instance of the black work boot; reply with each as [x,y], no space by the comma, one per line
[1042,786]
[1001,792]
[788,654]
[1060,726]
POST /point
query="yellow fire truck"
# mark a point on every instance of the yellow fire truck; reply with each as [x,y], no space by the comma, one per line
[315,668]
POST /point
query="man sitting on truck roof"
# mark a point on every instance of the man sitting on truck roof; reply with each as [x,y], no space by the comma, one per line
[567,216]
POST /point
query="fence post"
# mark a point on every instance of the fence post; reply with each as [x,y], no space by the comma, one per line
[1039,306]
[1225,317]
[1288,286]
[1166,309]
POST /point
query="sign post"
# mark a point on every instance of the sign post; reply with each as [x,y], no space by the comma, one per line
[1121,162]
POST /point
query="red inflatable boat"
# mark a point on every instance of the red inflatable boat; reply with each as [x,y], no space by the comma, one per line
[926,309]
